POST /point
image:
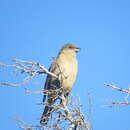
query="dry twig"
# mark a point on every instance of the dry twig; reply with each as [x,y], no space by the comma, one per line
[119,103]
[30,68]
[65,115]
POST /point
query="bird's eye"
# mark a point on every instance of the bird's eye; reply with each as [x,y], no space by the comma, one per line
[70,47]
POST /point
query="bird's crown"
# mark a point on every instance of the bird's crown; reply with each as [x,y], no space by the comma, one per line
[69,46]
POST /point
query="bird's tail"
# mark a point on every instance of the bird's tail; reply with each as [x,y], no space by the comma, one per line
[46,115]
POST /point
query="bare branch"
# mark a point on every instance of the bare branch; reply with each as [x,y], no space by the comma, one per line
[64,115]
[69,113]
[10,84]
[30,68]
[119,103]
[117,88]
[23,125]
[33,93]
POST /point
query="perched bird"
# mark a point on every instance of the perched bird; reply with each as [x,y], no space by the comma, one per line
[65,66]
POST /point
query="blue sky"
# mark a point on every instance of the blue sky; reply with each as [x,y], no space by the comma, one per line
[36,30]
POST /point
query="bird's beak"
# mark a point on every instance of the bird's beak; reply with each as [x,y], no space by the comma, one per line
[77,49]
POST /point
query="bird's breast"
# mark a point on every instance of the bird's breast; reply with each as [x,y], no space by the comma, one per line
[69,69]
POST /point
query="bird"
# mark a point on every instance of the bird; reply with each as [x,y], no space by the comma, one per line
[65,66]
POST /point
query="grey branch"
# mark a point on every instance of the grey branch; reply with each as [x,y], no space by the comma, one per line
[65,114]
[117,88]
[10,84]
[119,103]
[30,68]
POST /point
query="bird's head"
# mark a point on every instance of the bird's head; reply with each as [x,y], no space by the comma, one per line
[70,48]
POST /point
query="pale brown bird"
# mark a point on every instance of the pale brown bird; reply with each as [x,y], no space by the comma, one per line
[65,66]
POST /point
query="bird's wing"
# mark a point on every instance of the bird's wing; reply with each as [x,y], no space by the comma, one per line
[50,80]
